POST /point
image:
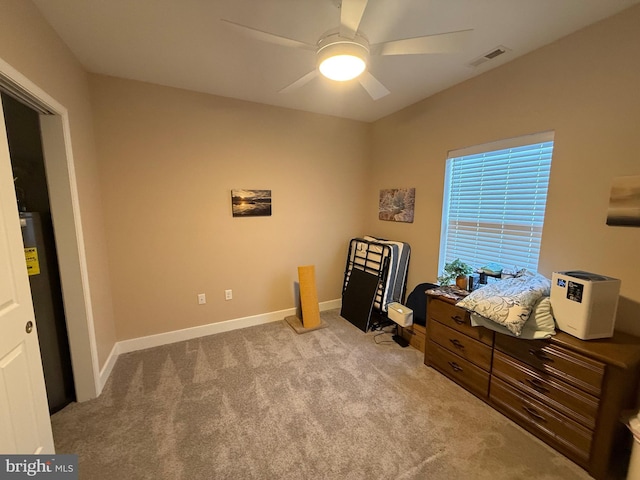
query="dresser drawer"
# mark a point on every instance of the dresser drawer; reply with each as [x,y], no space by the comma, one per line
[567,436]
[568,400]
[458,369]
[472,350]
[575,369]
[458,319]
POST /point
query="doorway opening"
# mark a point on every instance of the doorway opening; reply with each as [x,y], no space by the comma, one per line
[55,127]
[32,193]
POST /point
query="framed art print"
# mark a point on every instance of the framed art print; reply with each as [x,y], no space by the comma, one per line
[251,203]
[397,204]
[624,202]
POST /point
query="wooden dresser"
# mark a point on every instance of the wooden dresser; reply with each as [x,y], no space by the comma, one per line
[568,392]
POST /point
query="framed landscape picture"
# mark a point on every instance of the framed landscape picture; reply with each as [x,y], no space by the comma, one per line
[397,204]
[624,202]
[251,203]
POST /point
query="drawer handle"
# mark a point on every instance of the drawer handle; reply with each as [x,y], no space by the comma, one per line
[540,355]
[459,320]
[455,366]
[534,413]
[535,384]
[456,343]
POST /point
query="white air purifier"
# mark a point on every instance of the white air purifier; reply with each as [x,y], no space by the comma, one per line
[585,304]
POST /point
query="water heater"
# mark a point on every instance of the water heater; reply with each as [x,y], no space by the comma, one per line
[585,304]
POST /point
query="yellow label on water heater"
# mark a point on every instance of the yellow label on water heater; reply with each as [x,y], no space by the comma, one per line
[33,265]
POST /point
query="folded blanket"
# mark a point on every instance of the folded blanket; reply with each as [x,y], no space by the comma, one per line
[508,302]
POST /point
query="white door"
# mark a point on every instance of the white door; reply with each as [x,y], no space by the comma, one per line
[25,426]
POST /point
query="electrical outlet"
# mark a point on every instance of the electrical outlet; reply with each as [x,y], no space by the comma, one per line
[202,299]
[228,294]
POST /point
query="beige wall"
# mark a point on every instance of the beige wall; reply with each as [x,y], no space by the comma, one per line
[168,161]
[586,88]
[31,46]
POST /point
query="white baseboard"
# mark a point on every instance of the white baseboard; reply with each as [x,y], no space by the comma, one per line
[331,304]
[108,367]
[150,341]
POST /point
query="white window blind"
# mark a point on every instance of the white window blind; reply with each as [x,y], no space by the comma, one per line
[494,202]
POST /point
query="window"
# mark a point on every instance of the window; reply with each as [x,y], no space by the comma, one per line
[494,202]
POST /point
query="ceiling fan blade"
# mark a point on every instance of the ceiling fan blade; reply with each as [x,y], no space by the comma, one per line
[441,43]
[373,87]
[351,13]
[300,82]
[268,37]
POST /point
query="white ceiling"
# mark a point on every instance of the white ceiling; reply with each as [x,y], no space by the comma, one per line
[183,43]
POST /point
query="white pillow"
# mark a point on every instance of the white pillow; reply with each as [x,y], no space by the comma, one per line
[540,324]
[508,302]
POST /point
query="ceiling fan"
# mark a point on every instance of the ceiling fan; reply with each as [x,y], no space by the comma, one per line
[343,54]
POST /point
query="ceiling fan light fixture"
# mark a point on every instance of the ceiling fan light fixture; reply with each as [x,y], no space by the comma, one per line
[342,59]
[342,67]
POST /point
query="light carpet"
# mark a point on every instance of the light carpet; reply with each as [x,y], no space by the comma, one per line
[267,403]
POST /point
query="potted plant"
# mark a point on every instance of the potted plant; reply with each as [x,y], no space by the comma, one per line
[455,272]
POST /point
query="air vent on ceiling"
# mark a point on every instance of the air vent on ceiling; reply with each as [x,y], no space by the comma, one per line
[490,55]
